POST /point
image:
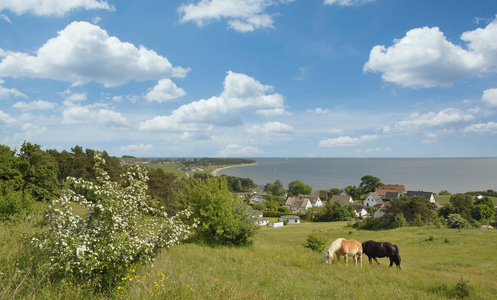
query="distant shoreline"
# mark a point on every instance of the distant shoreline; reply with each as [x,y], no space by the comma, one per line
[234,166]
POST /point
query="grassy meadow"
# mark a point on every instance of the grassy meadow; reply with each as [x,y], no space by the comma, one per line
[436,264]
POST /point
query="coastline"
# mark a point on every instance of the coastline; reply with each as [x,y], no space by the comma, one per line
[234,166]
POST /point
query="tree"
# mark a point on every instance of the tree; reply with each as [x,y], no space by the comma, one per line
[39,172]
[485,201]
[462,204]
[482,212]
[410,208]
[297,187]
[275,188]
[369,184]
[353,191]
[8,171]
[223,221]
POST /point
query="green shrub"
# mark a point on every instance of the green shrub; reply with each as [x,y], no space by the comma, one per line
[315,242]
[14,205]
[119,230]
[417,222]
[456,221]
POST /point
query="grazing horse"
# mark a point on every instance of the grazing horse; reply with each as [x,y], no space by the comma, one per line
[382,249]
[344,248]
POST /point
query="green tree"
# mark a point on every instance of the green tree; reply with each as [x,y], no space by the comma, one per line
[462,204]
[485,201]
[223,221]
[369,184]
[8,170]
[297,187]
[39,172]
[482,211]
[353,191]
[275,188]
[410,208]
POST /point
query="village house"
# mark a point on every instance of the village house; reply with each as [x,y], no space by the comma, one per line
[292,220]
[321,194]
[382,190]
[427,195]
[302,202]
[342,200]
[257,216]
[360,210]
[381,211]
[373,199]
[391,195]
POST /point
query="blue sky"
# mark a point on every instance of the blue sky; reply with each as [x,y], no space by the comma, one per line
[251,78]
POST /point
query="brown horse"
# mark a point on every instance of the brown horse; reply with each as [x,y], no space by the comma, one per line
[345,248]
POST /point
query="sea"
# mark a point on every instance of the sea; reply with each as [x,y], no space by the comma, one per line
[456,175]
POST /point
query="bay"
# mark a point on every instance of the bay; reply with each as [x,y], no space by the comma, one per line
[456,175]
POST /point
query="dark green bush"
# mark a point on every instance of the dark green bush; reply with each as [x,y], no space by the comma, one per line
[315,242]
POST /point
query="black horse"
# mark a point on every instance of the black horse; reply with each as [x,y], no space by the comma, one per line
[381,249]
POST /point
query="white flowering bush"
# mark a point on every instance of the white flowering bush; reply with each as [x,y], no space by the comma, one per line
[119,228]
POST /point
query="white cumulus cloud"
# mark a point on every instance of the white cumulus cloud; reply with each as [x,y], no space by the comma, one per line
[347,2]
[164,91]
[241,15]
[417,121]
[242,94]
[239,150]
[346,141]
[136,148]
[51,7]
[490,97]
[489,128]
[83,52]
[35,105]
[425,58]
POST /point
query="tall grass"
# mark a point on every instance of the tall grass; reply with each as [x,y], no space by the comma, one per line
[436,264]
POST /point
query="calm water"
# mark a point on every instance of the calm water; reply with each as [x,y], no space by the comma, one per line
[426,174]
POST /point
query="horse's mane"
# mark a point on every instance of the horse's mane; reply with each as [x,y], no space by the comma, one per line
[336,245]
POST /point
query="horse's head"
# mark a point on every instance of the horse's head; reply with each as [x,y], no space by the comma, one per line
[328,257]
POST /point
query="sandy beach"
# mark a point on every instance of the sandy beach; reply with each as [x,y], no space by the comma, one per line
[234,166]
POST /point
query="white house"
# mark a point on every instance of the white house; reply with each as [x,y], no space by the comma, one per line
[373,199]
[292,220]
[360,210]
[302,202]
[261,221]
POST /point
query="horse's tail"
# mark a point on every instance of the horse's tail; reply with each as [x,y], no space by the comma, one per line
[397,249]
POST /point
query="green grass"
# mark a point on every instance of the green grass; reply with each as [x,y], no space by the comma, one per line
[277,266]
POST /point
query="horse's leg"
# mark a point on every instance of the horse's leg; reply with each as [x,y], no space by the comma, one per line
[391,262]
[376,260]
[346,257]
[355,259]
[360,258]
[370,259]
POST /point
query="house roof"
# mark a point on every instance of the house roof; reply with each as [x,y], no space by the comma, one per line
[322,194]
[342,200]
[301,200]
[426,195]
[391,195]
[358,207]
[376,197]
[298,202]
[290,217]
[390,187]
